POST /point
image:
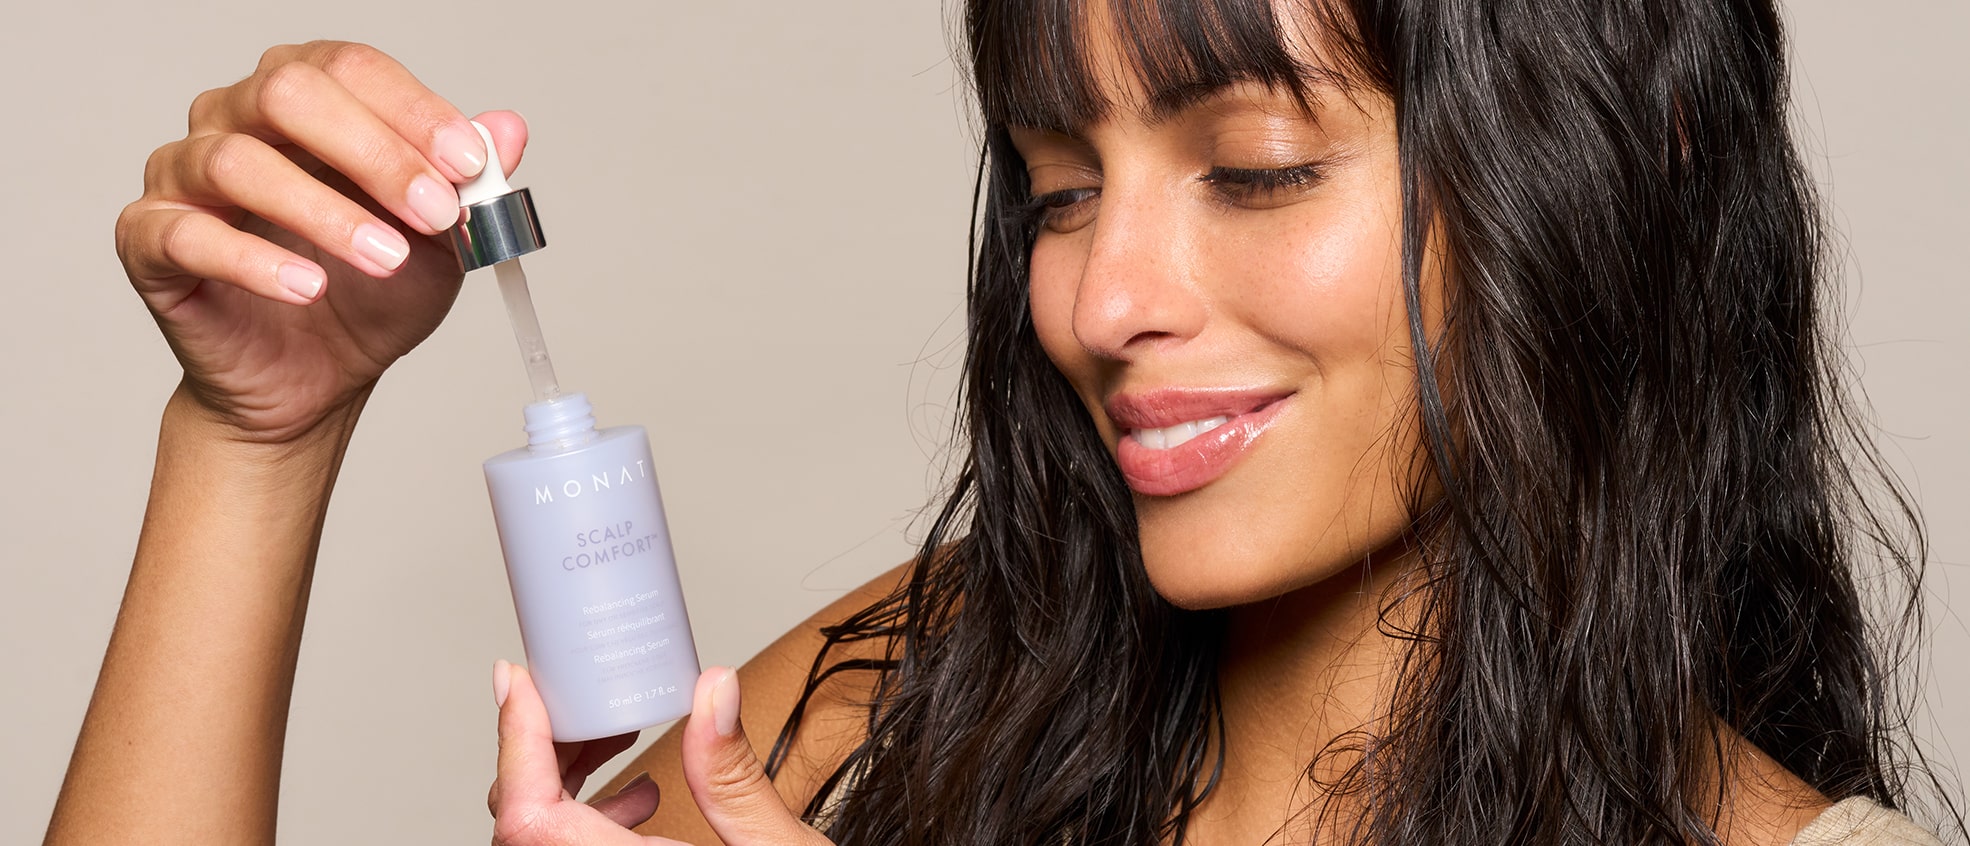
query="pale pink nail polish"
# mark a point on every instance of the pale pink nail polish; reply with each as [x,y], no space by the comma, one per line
[725,704]
[458,145]
[381,245]
[433,202]
[303,280]
[502,682]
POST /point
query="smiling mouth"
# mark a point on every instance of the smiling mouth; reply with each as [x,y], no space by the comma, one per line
[1177,441]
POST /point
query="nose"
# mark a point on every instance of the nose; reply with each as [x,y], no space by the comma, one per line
[1138,288]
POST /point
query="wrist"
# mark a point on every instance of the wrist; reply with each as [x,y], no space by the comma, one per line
[186,415]
[281,478]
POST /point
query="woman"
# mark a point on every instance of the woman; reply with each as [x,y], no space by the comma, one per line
[1389,422]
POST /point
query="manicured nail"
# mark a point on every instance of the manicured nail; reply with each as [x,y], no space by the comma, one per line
[641,779]
[382,245]
[725,704]
[303,280]
[502,681]
[458,145]
[435,204]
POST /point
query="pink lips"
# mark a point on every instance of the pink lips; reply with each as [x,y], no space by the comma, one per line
[1202,459]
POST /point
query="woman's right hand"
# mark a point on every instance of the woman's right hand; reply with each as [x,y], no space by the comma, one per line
[270,243]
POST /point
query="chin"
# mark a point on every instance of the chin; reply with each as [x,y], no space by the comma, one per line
[1202,553]
[1202,576]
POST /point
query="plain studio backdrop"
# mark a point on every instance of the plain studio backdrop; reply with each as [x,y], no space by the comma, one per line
[757,221]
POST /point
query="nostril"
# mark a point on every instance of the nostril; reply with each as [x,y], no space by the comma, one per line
[1130,283]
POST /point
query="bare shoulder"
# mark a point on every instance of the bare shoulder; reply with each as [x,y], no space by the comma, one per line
[770,686]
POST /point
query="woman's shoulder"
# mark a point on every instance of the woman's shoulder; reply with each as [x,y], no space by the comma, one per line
[1860,821]
[834,718]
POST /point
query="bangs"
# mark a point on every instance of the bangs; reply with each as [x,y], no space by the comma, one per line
[1031,59]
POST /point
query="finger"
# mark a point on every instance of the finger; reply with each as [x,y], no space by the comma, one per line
[302,104]
[159,244]
[430,122]
[528,779]
[235,169]
[509,132]
[416,113]
[634,804]
[727,781]
[580,760]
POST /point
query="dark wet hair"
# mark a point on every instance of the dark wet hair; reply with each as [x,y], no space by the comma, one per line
[1658,508]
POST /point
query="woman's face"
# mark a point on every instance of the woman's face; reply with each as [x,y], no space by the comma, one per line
[1222,287]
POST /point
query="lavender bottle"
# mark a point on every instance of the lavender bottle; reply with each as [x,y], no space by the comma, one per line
[588,555]
[580,519]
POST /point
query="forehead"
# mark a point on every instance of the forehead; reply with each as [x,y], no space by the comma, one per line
[1064,65]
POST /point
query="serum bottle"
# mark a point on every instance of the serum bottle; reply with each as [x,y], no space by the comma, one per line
[580,518]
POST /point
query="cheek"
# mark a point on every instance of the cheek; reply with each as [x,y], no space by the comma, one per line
[1326,284]
[1316,294]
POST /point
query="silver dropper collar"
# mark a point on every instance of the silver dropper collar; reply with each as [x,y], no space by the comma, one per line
[496,222]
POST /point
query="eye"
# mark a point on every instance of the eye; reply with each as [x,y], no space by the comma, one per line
[1262,188]
[1063,211]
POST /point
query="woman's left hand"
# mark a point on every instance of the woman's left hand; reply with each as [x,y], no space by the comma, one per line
[533,799]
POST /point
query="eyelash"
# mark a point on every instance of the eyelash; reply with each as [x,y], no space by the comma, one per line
[1241,183]
[1234,185]
[1041,210]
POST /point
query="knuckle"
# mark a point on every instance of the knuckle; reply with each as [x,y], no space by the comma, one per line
[284,87]
[204,108]
[225,156]
[127,222]
[159,164]
[529,828]
[347,59]
[737,781]
[384,157]
[277,55]
[429,116]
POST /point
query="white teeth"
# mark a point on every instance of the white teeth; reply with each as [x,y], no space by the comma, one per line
[1170,436]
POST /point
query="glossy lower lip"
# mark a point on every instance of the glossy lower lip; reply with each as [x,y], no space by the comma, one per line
[1196,462]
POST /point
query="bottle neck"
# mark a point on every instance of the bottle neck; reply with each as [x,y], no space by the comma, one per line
[559,424]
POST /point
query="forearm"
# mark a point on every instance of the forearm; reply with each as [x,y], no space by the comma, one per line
[183,738]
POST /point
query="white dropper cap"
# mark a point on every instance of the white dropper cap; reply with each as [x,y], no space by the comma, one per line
[497,222]
[491,181]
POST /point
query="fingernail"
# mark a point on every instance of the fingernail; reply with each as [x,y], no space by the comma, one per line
[641,779]
[382,245]
[435,204]
[725,704]
[303,280]
[502,681]
[458,145]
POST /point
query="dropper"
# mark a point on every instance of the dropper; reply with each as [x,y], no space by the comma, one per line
[497,226]
[526,329]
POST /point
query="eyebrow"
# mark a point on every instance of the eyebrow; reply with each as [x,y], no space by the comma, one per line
[1167,104]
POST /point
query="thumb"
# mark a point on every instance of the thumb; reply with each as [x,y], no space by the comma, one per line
[529,775]
[725,776]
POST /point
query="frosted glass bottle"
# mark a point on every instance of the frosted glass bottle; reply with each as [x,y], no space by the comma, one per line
[588,556]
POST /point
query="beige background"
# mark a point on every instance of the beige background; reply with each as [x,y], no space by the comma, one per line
[758,226]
